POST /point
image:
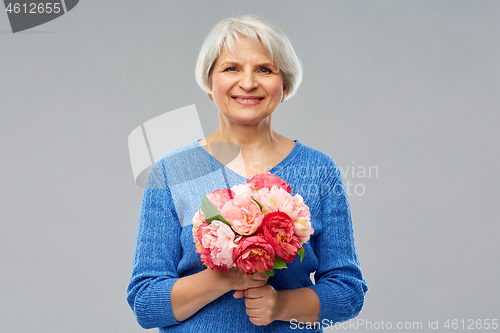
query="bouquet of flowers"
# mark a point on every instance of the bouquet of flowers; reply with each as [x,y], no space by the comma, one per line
[257,226]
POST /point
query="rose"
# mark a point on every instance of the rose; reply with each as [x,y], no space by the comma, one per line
[217,244]
[220,196]
[279,230]
[254,254]
[268,180]
[243,214]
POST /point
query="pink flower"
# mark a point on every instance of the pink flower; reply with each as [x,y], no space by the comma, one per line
[242,190]
[243,214]
[198,224]
[220,197]
[279,231]
[268,180]
[271,199]
[217,245]
[198,219]
[303,229]
[300,215]
[295,207]
[254,255]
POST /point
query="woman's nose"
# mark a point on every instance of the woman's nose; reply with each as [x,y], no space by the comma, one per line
[248,81]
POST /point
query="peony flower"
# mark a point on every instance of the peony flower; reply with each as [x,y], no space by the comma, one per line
[254,255]
[243,214]
[265,222]
[279,231]
[198,219]
[300,215]
[198,224]
[197,229]
[217,245]
[303,229]
[242,190]
[295,207]
[268,180]
[219,197]
[271,199]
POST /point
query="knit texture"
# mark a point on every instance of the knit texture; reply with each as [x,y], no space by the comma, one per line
[165,249]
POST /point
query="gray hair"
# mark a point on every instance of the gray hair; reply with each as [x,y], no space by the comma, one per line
[275,42]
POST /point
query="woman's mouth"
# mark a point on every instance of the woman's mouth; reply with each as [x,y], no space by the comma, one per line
[247,99]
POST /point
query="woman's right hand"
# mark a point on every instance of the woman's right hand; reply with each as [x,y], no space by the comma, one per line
[236,279]
[240,281]
[191,293]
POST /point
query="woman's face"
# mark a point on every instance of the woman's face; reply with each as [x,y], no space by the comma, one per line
[246,86]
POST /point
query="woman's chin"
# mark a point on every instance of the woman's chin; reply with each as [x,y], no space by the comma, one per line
[247,118]
[248,121]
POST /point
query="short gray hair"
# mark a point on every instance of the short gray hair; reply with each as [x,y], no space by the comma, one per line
[275,42]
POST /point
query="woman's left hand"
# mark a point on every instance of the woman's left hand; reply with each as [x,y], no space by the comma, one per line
[263,304]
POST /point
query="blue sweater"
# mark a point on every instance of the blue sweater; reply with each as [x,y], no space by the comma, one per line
[165,250]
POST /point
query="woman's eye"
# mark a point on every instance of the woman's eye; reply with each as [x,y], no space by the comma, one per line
[230,69]
[265,70]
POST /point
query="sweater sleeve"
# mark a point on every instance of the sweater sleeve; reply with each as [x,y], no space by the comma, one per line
[339,282]
[156,255]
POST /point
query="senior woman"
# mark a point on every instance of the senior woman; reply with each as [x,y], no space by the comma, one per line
[247,67]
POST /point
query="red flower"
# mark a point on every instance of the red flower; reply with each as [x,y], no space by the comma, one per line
[268,180]
[254,254]
[279,230]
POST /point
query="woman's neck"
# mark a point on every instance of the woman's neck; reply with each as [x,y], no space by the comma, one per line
[250,138]
[260,147]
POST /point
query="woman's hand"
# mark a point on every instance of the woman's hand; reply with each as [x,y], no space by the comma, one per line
[236,279]
[263,304]
[191,293]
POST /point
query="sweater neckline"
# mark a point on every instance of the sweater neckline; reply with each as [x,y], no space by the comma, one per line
[284,162]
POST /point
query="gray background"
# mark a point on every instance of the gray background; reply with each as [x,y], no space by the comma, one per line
[408,86]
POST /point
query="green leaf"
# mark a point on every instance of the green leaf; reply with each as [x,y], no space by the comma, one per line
[218,218]
[208,208]
[279,263]
[269,272]
[258,203]
[301,253]
[211,212]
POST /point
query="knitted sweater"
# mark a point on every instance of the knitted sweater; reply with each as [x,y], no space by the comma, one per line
[165,249]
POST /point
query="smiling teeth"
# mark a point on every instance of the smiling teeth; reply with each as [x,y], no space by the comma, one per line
[247,100]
